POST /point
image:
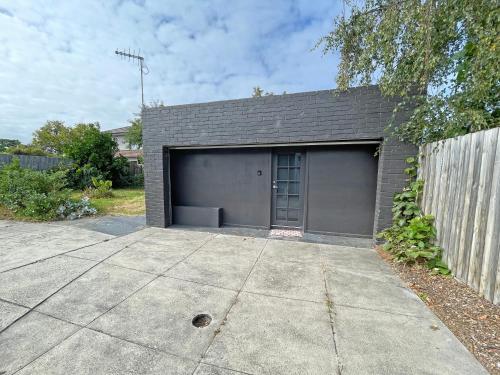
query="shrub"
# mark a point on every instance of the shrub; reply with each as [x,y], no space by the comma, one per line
[120,172]
[31,193]
[81,177]
[26,150]
[137,180]
[87,145]
[75,209]
[100,189]
[412,234]
[38,195]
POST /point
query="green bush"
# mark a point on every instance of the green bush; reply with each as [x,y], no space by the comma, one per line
[100,189]
[26,150]
[88,145]
[412,234]
[120,172]
[137,180]
[39,195]
[80,178]
[31,193]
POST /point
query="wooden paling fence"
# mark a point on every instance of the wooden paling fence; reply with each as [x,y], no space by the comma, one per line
[462,192]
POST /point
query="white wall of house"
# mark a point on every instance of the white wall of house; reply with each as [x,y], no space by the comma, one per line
[122,143]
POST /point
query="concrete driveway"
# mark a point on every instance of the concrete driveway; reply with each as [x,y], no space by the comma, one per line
[75,301]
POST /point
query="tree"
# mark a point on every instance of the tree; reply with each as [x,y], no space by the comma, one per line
[259,93]
[6,143]
[25,150]
[88,146]
[134,134]
[52,137]
[439,56]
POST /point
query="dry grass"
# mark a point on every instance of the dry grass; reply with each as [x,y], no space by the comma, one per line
[124,202]
[6,214]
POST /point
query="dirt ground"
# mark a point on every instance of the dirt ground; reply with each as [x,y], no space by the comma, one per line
[474,320]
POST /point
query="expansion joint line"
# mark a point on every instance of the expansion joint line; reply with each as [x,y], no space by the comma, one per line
[223,321]
[108,310]
[331,314]
[65,285]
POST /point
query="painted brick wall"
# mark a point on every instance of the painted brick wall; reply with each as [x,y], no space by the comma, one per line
[358,114]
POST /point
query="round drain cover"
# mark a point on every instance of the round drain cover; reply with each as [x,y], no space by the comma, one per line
[201,320]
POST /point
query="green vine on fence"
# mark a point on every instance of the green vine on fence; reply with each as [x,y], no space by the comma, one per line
[411,237]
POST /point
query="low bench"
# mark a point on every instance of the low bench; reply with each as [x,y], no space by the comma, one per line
[197,216]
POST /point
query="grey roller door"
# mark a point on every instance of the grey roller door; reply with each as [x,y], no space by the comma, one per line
[341,189]
[238,180]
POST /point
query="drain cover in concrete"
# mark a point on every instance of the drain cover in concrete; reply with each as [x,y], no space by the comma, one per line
[201,320]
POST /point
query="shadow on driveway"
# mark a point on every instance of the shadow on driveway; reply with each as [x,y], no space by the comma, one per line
[114,225]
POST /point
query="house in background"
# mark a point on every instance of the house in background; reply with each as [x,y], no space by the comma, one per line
[133,154]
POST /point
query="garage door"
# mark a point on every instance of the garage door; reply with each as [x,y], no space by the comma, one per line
[237,180]
[341,189]
[328,190]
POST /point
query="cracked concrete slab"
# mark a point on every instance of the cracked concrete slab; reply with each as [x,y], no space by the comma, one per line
[26,248]
[270,329]
[358,290]
[94,293]
[14,228]
[269,335]
[114,225]
[160,315]
[9,313]
[82,354]
[291,251]
[179,238]
[150,256]
[204,369]
[373,342]
[29,338]
[297,280]
[224,261]
[357,261]
[102,250]
[33,283]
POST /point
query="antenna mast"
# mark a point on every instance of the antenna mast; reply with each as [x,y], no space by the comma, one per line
[140,61]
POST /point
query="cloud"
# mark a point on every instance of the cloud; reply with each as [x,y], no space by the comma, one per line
[57,59]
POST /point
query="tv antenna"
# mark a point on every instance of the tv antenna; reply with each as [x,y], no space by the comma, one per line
[140,61]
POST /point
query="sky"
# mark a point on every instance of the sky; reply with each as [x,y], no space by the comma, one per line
[57,59]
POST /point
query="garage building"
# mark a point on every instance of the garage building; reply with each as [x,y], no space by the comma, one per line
[316,161]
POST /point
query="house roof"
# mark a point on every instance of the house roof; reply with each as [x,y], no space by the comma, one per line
[121,130]
[129,153]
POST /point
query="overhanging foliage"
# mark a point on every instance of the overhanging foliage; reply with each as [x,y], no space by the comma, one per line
[441,56]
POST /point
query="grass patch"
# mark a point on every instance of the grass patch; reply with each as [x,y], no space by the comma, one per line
[124,202]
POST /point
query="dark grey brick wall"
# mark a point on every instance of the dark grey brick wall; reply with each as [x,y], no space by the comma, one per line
[358,114]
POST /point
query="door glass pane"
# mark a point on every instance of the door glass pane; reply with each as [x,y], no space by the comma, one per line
[295,174]
[282,160]
[281,201]
[282,187]
[280,214]
[295,160]
[293,201]
[293,188]
[283,173]
[293,215]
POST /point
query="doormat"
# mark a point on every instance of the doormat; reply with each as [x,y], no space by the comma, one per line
[285,233]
